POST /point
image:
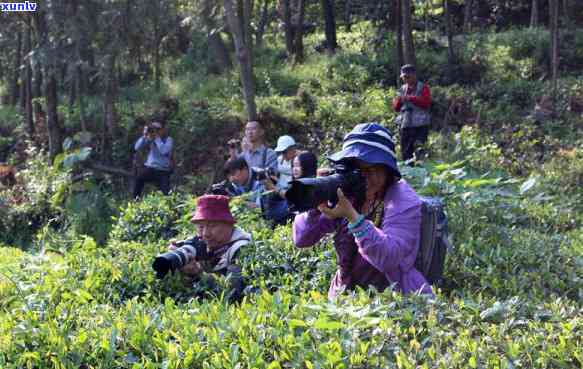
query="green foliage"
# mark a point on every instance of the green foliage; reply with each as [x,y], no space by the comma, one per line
[151,219]
[30,202]
[87,296]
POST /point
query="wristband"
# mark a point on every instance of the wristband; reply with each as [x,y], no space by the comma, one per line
[361,233]
[356,223]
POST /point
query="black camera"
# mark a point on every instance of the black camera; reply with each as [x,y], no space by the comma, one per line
[264,173]
[307,193]
[224,188]
[234,143]
[188,250]
[150,129]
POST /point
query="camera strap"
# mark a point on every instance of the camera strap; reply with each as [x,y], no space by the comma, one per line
[264,157]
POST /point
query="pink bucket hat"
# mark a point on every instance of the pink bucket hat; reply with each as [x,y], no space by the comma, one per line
[213,208]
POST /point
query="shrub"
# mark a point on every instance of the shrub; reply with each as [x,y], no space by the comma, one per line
[151,219]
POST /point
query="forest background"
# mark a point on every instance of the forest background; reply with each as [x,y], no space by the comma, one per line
[78,78]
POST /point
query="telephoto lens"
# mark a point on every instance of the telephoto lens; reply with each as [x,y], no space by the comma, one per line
[187,251]
[307,193]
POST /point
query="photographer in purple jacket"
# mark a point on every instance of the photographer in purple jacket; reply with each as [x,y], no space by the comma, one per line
[376,243]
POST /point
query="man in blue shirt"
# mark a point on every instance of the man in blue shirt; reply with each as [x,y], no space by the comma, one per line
[244,180]
[158,165]
[257,155]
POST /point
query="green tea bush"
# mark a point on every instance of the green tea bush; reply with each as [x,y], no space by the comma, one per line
[151,219]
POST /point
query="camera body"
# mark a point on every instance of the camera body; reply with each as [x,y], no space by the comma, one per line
[224,188]
[307,193]
[188,250]
[262,174]
[234,143]
[149,129]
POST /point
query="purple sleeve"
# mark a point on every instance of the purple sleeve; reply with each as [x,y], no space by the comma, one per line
[397,241]
[309,227]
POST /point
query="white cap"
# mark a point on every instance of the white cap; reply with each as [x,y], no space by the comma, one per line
[284,143]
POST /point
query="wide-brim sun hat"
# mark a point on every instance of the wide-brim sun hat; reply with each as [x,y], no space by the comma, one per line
[284,143]
[213,208]
[371,143]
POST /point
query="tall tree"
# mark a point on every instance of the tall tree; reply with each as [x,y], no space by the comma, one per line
[263,23]
[27,81]
[245,66]
[554,28]
[398,36]
[299,36]
[450,46]
[566,14]
[219,53]
[289,28]
[109,110]
[50,48]
[408,44]
[348,15]
[15,87]
[534,14]
[468,15]
[330,25]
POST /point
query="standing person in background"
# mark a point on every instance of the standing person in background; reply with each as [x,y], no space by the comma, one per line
[258,155]
[412,103]
[287,150]
[158,165]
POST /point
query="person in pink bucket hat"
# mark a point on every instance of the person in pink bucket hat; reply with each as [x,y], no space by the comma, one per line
[215,226]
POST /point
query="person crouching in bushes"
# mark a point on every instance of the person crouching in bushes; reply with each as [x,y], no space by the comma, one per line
[215,226]
[377,243]
[304,165]
[244,180]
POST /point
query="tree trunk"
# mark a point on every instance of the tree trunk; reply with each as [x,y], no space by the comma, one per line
[248,35]
[408,45]
[348,15]
[110,114]
[219,53]
[554,26]
[468,15]
[534,14]
[14,89]
[566,14]
[399,37]
[246,68]
[450,46]
[289,28]
[299,44]
[330,26]
[28,81]
[37,86]
[263,21]
[53,127]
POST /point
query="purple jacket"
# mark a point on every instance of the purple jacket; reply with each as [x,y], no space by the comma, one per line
[381,256]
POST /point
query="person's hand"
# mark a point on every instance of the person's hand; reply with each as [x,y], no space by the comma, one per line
[192,269]
[343,209]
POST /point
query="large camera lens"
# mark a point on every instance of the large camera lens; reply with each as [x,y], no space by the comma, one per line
[308,193]
[173,260]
